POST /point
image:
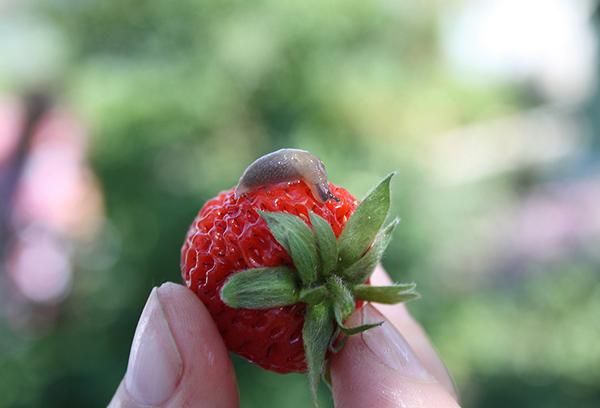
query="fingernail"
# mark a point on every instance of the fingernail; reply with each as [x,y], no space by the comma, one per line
[390,347]
[155,365]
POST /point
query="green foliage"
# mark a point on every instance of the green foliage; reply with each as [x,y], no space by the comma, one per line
[180,96]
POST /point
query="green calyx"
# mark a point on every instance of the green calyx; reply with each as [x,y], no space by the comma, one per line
[329,274]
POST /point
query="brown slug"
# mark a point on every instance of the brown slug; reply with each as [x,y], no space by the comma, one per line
[287,165]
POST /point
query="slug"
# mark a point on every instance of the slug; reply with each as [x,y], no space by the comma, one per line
[287,165]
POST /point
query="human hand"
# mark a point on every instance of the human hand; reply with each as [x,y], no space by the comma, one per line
[178,359]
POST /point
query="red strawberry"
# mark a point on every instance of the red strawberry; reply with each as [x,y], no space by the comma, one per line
[229,236]
[280,271]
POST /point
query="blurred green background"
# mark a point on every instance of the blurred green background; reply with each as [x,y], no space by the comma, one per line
[491,113]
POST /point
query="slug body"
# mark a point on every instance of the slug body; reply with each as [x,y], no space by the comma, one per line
[287,165]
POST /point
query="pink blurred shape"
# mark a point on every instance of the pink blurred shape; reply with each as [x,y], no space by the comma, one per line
[56,203]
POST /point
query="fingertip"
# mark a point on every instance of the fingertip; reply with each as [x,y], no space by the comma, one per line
[208,377]
[414,334]
[178,357]
[379,368]
[155,365]
[379,277]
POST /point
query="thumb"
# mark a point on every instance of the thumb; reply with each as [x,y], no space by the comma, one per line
[178,357]
[378,368]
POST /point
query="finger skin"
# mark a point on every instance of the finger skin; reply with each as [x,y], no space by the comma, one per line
[414,334]
[208,378]
[383,374]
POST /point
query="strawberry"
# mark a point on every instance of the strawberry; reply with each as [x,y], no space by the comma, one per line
[280,270]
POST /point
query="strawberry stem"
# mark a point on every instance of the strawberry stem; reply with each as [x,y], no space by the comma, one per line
[313,295]
[317,332]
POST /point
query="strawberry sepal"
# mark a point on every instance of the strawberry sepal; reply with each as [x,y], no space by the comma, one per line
[364,225]
[360,270]
[317,333]
[261,288]
[392,294]
[298,240]
[327,243]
